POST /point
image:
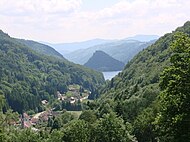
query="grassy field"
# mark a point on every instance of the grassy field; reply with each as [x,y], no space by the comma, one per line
[77,113]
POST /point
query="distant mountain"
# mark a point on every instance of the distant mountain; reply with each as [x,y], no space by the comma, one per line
[65,48]
[41,48]
[101,61]
[143,38]
[123,50]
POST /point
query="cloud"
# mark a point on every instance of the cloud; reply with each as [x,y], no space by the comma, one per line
[30,7]
[146,16]
[65,20]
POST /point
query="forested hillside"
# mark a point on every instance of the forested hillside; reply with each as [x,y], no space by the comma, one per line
[27,77]
[147,102]
[40,48]
[101,61]
[133,94]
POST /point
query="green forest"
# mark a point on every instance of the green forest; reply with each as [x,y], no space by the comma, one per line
[147,102]
[28,77]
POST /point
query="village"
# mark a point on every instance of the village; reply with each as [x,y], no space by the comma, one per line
[74,96]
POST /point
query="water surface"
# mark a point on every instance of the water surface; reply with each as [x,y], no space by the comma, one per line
[110,75]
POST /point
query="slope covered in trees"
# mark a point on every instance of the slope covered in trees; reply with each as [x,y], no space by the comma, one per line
[174,114]
[147,102]
[40,48]
[101,61]
[133,92]
[27,77]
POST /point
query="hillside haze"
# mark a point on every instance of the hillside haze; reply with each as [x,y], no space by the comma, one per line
[80,52]
[143,38]
[122,50]
[65,48]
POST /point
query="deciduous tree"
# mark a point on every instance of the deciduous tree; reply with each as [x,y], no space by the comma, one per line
[174,118]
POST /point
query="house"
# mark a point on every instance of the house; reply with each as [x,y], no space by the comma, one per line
[26,117]
[58,94]
[44,116]
[72,100]
[84,98]
[44,102]
[34,129]
[34,121]
[27,124]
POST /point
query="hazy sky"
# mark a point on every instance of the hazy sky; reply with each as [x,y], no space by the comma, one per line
[76,20]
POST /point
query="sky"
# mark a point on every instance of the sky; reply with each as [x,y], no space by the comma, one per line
[58,21]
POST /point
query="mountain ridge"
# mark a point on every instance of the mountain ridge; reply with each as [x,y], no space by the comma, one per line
[41,48]
[101,61]
[65,48]
[143,38]
[122,50]
[68,47]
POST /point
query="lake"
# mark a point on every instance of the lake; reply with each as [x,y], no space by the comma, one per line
[110,75]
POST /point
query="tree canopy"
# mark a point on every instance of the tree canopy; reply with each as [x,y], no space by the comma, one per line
[174,116]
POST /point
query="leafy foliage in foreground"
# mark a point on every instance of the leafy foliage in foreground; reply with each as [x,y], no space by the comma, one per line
[110,128]
[133,94]
[174,116]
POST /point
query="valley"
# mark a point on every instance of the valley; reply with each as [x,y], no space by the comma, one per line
[103,71]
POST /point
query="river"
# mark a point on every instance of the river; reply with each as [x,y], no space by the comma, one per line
[110,75]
